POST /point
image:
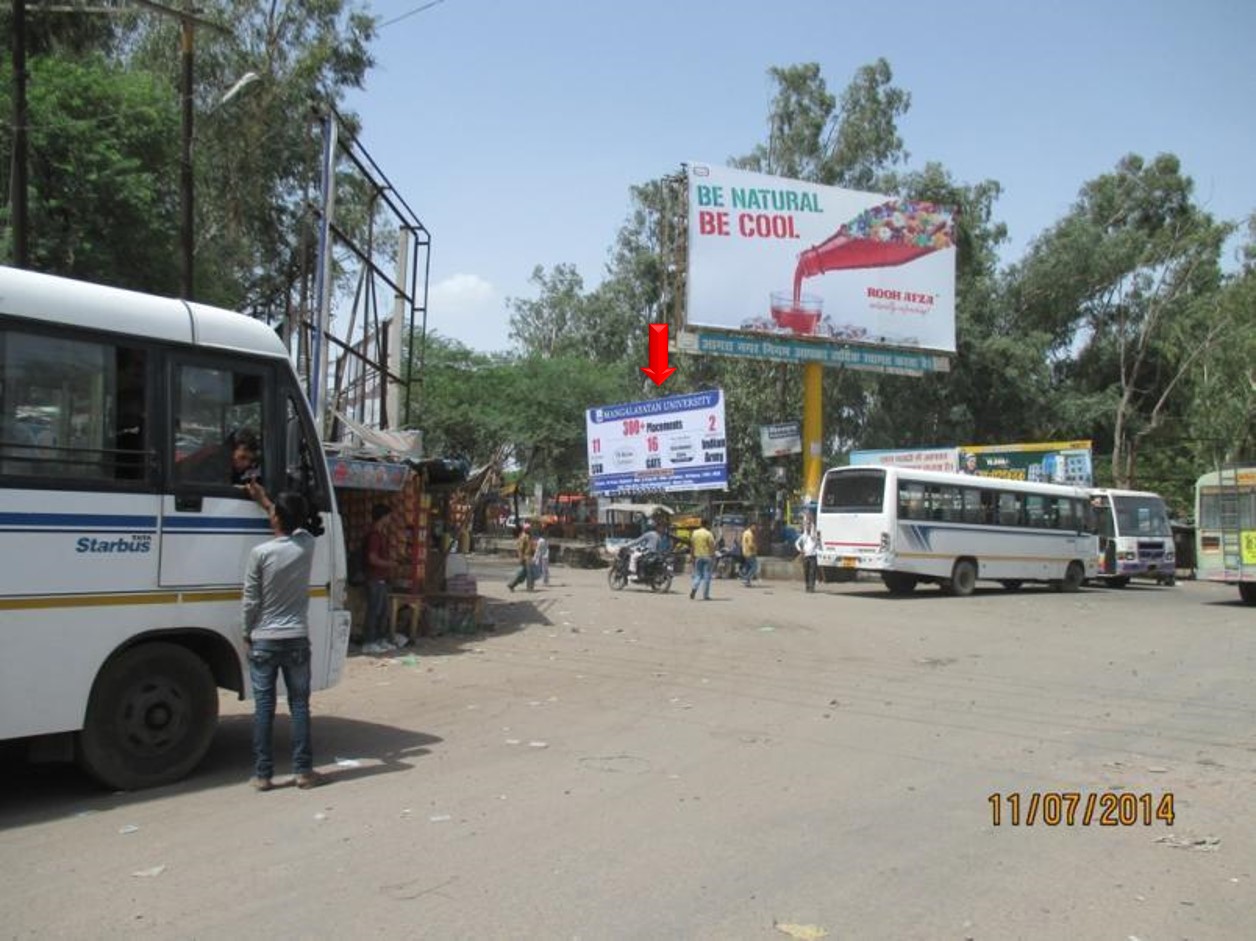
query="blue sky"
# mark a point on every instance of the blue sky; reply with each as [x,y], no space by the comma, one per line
[515,128]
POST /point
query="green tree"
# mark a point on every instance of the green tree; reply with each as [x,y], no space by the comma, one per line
[554,323]
[1127,287]
[258,156]
[103,205]
[848,141]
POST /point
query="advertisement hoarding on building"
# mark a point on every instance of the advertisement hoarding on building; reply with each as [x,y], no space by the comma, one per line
[668,444]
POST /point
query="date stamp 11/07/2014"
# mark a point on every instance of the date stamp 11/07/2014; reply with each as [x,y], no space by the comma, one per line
[1075,808]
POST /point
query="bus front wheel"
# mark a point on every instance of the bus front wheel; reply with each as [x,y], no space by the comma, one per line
[150,717]
[963,578]
[1247,591]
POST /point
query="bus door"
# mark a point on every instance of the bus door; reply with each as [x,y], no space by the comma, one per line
[209,524]
[1105,527]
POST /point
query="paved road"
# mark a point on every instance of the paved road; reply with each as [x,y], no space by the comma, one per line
[628,765]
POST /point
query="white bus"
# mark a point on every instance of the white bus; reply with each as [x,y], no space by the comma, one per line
[123,534]
[915,526]
[1225,528]
[1135,538]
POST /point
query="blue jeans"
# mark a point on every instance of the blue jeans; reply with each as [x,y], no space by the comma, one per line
[376,611]
[750,569]
[525,574]
[702,566]
[266,659]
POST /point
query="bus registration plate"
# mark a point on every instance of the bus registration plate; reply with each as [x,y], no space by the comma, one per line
[849,561]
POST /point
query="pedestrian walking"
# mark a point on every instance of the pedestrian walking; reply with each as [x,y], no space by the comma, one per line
[524,550]
[702,548]
[808,545]
[276,605]
[540,559]
[750,555]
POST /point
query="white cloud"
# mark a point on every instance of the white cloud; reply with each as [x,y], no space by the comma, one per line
[467,308]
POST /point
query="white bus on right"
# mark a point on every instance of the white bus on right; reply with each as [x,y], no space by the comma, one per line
[1225,528]
[912,527]
[1135,538]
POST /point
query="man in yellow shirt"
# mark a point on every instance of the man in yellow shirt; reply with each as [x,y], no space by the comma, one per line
[702,547]
[749,552]
[525,549]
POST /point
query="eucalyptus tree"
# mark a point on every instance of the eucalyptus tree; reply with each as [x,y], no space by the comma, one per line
[1127,286]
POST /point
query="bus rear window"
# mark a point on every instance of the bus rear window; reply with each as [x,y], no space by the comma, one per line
[858,492]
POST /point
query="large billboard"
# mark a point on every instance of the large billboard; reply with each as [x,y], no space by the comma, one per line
[789,260]
[668,444]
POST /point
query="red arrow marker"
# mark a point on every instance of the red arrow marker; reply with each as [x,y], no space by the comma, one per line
[658,370]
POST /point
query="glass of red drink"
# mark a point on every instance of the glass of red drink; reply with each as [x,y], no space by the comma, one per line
[799,314]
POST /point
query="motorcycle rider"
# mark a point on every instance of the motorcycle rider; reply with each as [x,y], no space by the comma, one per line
[643,545]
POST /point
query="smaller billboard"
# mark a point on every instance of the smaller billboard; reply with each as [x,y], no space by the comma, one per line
[668,444]
[1051,462]
[931,459]
[781,438]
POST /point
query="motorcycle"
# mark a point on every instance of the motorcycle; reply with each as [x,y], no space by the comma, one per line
[653,569]
[727,563]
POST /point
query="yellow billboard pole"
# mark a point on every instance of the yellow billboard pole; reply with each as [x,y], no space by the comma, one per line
[812,431]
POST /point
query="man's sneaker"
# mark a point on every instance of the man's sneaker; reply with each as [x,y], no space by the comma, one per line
[693,591]
[309,779]
[261,784]
[376,647]
[400,640]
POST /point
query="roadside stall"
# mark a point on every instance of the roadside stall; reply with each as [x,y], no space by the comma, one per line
[360,484]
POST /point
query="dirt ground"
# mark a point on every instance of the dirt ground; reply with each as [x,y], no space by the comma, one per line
[768,764]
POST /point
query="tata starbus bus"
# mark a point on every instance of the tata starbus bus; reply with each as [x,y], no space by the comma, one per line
[123,528]
[952,530]
[1225,528]
[1135,538]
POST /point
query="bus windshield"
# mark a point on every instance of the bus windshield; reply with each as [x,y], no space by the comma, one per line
[1141,516]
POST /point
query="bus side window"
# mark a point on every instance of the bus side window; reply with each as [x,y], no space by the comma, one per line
[214,410]
[972,512]
[911,501]
[1010,507]
[989,508]
[61,403]
[1067,517]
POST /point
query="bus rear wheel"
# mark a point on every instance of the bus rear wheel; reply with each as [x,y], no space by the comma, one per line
[898,583]
[1247,591]
[963,578]
[150,717]
[1074,575]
